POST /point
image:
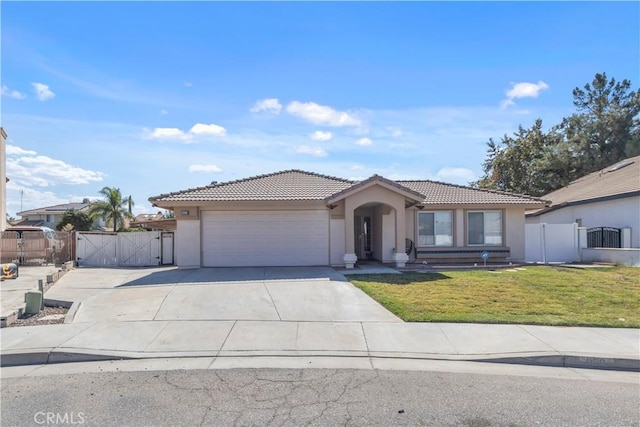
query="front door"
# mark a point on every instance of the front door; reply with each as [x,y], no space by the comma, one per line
[362,227]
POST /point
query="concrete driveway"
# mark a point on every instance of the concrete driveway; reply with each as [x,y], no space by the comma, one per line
[304,294]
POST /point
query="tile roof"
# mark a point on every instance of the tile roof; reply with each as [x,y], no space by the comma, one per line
[286,185]
[56,208]
[301,185]
[615,180]
[357,185]
[440,193]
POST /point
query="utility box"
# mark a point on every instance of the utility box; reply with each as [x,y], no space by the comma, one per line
[33,301]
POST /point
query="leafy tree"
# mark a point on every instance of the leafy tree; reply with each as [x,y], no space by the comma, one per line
[113,209]
[518,163]
[78,220]
[604,130]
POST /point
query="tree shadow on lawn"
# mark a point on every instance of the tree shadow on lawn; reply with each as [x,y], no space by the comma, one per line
[406,278]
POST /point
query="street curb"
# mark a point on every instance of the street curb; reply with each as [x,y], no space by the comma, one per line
[572,361]
[71,313]
[52,356]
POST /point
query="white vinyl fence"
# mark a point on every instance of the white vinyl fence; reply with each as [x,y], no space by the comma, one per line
[551,243]
[134,249]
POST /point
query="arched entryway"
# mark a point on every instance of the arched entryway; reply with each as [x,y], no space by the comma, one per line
[374,232]
[375,215]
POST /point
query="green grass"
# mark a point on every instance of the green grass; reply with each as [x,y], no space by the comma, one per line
[540,295]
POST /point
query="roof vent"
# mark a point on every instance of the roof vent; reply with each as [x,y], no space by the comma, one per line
[620,166]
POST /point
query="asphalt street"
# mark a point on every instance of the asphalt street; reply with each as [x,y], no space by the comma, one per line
[323,397]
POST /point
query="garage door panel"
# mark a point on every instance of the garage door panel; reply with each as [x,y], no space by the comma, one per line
[265,238]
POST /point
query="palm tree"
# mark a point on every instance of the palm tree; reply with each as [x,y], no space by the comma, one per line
[130,204]
[113,208]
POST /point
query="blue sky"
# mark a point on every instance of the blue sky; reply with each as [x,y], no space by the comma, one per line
[153,97]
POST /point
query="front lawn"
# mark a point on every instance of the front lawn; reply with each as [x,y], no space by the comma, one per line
[539,295]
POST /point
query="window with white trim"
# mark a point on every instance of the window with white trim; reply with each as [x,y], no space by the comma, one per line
[484,228]
[435,228]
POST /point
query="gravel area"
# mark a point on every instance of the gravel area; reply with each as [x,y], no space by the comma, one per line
[37,319]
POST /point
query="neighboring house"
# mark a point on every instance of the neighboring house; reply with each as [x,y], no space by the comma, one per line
[50,216]
[300,218]
[607,198]
[154,222]
[3,180]
[148,217]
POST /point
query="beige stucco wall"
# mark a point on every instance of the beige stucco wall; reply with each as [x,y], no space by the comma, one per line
[375,194]
[513,227]
[388,245]
[3,180]
[187,243]
[336,242]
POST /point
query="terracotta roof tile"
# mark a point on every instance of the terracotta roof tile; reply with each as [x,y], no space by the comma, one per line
[286,185]
[300,185]
[441,193]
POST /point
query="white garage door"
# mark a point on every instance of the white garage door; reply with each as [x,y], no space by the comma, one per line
[276,238]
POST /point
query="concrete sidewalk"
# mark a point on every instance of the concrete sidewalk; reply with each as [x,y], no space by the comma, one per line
[598,348]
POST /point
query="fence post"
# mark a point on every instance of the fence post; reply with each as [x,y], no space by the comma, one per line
[543,241]
[582,240]
[625,237]
[41,289]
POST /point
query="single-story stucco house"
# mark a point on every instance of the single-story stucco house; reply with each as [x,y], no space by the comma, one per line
[297,218]
[606,198]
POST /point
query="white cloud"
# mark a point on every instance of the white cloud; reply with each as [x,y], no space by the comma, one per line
[456,175]
[169,133]
[27,168]
[14,150]
[199,129]
[523,90]
[213,130]
[12,93]
[269,105]
[506,103]
[204,168]
[22,198]
[314,151]
[42,91]
[164,112]
[364,142]
[395,132]
[356,167]
[188,84]
[321,136]
[321,114]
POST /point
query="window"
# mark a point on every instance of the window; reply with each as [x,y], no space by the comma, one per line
[435,228]
[484,228]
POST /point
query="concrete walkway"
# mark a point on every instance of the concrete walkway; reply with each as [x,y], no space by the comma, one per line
[239,313]
[12,290]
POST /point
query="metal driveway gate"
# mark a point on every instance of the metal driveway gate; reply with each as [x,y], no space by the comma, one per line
[133,249]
